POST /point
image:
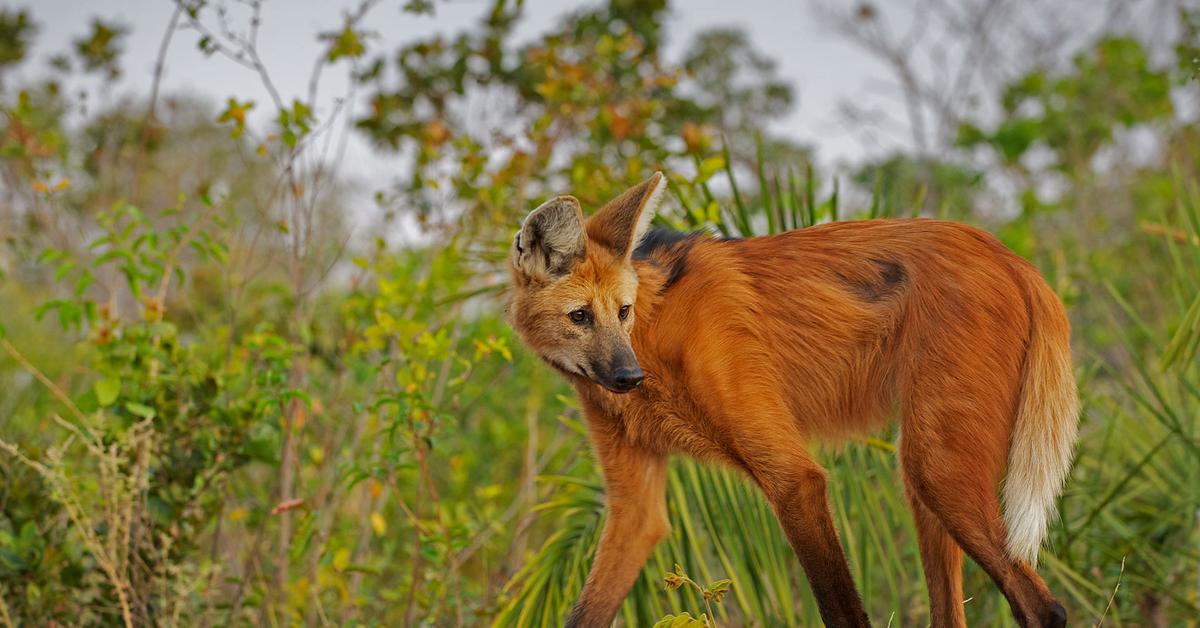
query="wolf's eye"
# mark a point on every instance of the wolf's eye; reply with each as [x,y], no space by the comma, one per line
[623,313]
[578,316]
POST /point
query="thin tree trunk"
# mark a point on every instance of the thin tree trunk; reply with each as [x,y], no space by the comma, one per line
[292,423]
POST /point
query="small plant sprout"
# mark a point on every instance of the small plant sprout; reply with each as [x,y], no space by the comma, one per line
[714,592]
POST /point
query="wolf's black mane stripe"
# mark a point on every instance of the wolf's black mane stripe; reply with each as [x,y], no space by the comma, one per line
[669,249]
[660,240]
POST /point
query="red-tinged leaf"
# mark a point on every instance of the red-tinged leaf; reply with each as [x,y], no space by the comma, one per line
[286,505]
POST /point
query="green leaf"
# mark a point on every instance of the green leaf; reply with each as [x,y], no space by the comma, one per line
[107,390]
[346,43]
[146,412]
[1014,138]
[10,562]
[709,167]
[682,620]
[717,590]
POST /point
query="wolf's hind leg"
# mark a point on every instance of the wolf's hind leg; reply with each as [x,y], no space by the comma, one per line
[957,480]
[942,559]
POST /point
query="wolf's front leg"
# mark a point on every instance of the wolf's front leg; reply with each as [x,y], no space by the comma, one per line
[635,489]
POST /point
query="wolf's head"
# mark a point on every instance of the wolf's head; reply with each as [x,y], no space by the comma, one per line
[575,285]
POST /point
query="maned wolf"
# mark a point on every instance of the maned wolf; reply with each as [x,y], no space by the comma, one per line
[743,352]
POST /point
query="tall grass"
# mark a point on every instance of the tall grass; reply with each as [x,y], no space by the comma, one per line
[1129,514]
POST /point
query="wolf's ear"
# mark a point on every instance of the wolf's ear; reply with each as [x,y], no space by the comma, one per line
[550,239]
[623,221]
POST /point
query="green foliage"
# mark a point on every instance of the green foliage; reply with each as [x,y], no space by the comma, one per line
[1075,115]
[922,186]
[101,49]
[346,43]
[295,123]
[682,620]
[712,593]
[1187,51]
[593,102]
[16,31]
[235,112]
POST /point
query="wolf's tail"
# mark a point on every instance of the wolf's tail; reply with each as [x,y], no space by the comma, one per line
[1046,424]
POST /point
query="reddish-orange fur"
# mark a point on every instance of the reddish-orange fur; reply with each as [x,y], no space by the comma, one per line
[759,348]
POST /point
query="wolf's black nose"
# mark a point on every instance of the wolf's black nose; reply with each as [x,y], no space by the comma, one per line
[628,377]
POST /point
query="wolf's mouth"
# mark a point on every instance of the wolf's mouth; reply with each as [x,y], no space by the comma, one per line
[619,389]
